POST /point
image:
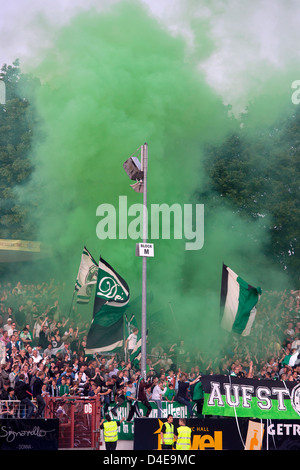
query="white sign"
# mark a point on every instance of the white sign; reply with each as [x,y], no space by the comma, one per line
[88,408]
[145,249]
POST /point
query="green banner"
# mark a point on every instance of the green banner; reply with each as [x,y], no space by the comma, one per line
[250,398]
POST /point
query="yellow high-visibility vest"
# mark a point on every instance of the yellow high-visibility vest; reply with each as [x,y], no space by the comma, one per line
[169,434]
[184,438]
[110,431]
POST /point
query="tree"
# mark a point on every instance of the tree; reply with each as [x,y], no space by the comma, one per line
[260,177]
[17,124]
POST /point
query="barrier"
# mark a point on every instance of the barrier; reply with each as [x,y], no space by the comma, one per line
[79,419]
[74,423]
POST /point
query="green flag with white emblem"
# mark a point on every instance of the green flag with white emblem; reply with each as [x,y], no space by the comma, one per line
[111,301]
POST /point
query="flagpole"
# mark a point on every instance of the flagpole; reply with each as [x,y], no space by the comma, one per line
[144,162]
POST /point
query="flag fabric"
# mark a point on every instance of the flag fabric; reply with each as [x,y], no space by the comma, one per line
[86,277]
[111,301]
[106,331]
[136,354]
[111,287]
[238,303]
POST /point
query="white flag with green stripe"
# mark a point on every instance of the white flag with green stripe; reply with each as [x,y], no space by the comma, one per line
[238,303]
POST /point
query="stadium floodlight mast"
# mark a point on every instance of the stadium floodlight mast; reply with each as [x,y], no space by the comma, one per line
[137,171]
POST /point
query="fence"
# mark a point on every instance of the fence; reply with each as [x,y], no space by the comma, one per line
[79,421]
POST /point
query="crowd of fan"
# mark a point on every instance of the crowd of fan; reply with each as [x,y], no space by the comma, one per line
[43,353]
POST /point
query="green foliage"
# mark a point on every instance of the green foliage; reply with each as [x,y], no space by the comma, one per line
[260,178]
[17,123]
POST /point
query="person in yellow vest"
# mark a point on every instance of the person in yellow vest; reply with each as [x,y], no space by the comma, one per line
[110,432]
[183,436]
[167,434]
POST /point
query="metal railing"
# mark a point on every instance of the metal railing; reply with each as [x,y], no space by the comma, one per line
[13,409]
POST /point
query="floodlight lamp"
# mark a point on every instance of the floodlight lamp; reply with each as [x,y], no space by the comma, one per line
[132,167]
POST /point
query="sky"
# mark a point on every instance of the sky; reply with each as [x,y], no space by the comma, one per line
[250,40]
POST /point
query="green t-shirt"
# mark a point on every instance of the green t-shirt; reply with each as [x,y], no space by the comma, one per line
[169,394]
[286,360]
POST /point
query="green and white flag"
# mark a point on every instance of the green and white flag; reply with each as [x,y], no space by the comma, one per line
[136,354]
[238,303]
[111,301]
[111,287]
[86,277]
[130,324]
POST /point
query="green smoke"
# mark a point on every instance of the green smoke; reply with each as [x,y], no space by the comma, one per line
[111,82]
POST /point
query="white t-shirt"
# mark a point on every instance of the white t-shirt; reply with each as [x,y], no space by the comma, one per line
[157,393]
[132,340]
[37,358]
